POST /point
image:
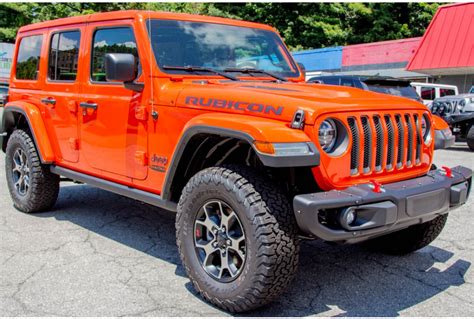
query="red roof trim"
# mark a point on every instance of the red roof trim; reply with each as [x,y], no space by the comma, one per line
[448,41]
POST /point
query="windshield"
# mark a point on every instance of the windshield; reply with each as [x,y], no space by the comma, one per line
[219,47]
[404,91]
[472,90]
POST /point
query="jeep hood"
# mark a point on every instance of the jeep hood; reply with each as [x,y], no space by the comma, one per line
[280,100]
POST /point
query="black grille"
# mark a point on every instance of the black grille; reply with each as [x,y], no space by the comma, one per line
[379,143]
[396,140]
[390,141]
[367,143]
[355,151]
[401,141]
[418,138]
[410,139]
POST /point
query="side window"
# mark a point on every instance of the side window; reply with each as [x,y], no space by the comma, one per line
[445,92]
[63,56]
[428,93]
[346,82]
[28,59]
[113,40]
[332,81]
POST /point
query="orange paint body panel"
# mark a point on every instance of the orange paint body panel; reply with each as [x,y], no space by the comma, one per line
[117,140]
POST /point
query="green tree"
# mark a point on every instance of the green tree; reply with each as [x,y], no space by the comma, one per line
[302,25]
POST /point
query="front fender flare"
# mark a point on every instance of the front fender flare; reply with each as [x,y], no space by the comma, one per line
[249,129]
[36,124]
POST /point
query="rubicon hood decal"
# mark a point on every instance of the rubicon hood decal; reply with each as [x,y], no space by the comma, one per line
[236,105]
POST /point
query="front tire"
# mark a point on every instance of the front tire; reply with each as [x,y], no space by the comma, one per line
[33,188]
[410,239]
[262,242]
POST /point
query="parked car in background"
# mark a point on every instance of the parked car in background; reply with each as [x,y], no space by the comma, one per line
[379,84]
[458,112]
[388,85]
[431,91]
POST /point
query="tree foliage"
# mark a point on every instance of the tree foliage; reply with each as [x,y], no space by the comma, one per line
[302,25]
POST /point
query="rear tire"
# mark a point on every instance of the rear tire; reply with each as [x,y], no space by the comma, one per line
[470,138]
[410,239]
[270,246]
[33,188]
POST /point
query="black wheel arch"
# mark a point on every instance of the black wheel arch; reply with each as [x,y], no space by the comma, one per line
[221,146]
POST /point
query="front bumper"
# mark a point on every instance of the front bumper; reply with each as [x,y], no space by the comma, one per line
[444,139]
[397,206]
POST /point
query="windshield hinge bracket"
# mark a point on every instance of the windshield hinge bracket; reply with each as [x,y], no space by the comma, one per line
[298,120]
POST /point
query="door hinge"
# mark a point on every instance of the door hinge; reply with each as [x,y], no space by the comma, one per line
[141,113]
[74,143]
[141,158]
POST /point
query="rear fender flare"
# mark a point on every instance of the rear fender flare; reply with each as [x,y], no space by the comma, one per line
[35,123]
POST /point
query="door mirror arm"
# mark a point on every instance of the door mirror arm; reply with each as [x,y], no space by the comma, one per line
[134,86]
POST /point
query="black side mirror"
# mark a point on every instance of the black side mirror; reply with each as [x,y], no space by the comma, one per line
[302,68]
[122,67]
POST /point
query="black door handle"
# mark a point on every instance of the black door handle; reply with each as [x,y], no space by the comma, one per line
[48,100]
[86,105]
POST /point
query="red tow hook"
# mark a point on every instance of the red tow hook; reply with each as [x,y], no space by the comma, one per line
[377,187]
[449,172]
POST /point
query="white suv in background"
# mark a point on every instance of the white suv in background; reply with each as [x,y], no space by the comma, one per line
[430,91]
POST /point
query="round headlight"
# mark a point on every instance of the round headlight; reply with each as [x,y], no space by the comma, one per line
[426,128]
[327,135]
[423,126]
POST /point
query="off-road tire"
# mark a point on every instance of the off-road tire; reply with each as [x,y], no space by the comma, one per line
[470,138]
[410,239]
[43,185]
[271,234]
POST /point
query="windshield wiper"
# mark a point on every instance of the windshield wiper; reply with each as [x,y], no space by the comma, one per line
[200,69]
[252,70]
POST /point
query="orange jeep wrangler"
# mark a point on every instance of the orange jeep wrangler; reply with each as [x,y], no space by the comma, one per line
[211,118]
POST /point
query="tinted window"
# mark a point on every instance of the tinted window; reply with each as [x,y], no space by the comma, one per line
[63,56]
[428,93]
[116,40]
[403,91]
[346,82]
[444,92]
[218,46]
[3,90]
[333,81]
[472,90]
[29,57]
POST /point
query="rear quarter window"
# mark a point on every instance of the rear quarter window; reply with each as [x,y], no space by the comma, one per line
[446,92]
[428,93]
[28,59]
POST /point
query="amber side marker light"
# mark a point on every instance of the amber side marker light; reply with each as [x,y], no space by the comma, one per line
[264,147]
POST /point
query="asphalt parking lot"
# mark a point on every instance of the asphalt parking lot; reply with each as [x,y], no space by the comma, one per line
[99,254]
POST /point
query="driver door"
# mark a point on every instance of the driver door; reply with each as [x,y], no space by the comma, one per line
[113,139]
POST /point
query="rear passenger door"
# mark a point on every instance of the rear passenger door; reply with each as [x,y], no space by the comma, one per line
[113,137]
[62,87]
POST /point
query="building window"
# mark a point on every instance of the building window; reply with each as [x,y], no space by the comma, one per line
[445,92]
[428,93]
[114,40]
[28,59]
[63,52]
